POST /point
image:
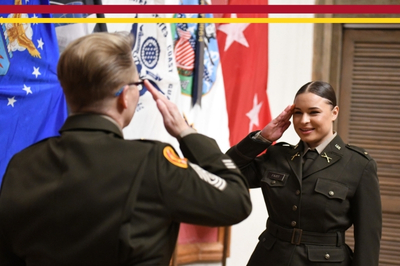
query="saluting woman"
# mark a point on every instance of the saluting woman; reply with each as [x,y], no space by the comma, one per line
[315,190]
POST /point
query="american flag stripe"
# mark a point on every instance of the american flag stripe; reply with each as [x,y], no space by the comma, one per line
[184,52]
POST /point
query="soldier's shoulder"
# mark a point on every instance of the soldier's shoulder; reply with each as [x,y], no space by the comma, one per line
[359,151]
[144,141]
[148,143]
[285,145]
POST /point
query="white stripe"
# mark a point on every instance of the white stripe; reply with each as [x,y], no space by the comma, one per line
[210,178]
[229,164]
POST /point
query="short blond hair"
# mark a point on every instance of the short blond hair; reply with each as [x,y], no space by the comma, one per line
[93,67]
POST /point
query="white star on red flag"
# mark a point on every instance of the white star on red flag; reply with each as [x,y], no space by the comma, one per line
[244,59]
[234,32]
[254,113]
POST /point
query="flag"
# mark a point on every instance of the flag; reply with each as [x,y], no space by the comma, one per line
[243,50]
[67,32]
[203,95]
[155,61]
[32,104]
[207,115]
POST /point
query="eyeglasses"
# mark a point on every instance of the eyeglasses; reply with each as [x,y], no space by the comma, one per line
[138,84]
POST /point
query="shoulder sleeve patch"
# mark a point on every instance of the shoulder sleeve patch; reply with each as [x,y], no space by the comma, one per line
[173,158]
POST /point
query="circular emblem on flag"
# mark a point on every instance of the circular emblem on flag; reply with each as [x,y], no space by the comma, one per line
[150,52]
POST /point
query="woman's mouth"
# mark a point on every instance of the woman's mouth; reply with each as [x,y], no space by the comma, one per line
[306,130]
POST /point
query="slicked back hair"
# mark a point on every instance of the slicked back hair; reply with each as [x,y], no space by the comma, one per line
[320,88]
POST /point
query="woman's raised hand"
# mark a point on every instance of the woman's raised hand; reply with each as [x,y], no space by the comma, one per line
[275,129]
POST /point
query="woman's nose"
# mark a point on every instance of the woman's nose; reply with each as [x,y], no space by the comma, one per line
[305,119]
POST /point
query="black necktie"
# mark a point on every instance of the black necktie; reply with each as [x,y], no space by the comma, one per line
[309,157]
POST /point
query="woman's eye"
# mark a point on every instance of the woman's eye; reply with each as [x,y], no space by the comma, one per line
[297,113]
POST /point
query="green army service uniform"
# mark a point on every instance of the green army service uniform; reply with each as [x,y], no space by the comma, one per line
[89,197]
[309,212]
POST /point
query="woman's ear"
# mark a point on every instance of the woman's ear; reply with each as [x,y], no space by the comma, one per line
[335,113]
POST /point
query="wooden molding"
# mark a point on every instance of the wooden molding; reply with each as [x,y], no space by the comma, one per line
[204,252]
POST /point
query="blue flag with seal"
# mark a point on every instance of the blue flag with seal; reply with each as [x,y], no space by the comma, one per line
[32,104]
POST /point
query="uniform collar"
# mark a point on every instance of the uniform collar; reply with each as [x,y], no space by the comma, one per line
[321,146]
[89,121]
[114,122]
[332,152]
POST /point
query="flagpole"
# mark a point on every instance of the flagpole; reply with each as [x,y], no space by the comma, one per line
[199,62]
[101,26]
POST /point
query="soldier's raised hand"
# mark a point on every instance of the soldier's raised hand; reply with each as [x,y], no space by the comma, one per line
[174,122]
[275,129]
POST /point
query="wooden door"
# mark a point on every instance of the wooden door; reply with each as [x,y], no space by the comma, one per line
[369,101]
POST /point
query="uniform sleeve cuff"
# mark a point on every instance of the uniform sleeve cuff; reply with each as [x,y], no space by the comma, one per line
[259,137]
[186,132]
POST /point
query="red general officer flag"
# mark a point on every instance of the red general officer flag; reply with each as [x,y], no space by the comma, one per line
[243,49]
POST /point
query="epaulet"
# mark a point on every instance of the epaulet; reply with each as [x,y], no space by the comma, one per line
[359,150]
[284,144]
[148,140]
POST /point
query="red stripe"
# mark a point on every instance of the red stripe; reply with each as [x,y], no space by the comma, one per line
[185,57]
[172,9]
[185,52]
[184,34]
[187,63]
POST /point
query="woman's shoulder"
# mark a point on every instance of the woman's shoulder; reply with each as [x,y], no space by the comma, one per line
[283,146]
[337,143]
[359,151]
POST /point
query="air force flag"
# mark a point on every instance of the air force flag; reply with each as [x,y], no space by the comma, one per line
[32,105]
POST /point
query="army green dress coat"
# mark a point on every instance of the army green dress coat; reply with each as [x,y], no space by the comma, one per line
[309,212]
[90,197]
